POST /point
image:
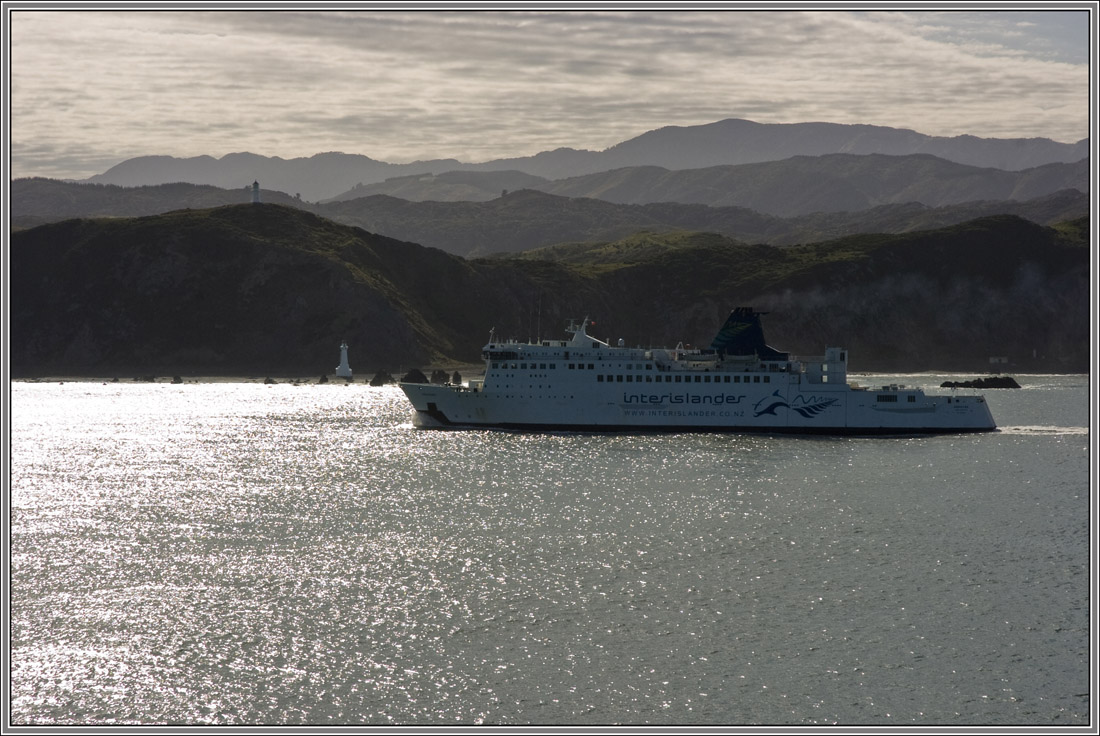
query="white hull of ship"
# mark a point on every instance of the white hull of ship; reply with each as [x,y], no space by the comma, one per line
[701,407]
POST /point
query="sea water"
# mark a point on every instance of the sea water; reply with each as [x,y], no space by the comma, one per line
[241,553]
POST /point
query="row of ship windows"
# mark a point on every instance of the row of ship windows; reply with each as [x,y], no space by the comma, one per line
[504,365]
[686,379]
[666,378]
[630,378]
[568,366]
[892,398]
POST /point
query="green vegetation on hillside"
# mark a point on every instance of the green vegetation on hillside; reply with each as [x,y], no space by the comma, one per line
[272,289]
[1074,232]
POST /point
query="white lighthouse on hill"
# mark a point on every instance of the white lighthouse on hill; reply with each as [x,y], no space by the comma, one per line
[343,370]
[255,192]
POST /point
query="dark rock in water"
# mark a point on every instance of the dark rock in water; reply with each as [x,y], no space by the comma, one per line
[381,378]
[414,376]
[268,381]
[177,379]
[991,382]
[439,376]
[324,379]
[456,378]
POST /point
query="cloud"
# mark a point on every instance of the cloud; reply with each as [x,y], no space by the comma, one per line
[399,86]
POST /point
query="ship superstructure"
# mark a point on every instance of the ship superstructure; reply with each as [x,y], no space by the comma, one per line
[739,383]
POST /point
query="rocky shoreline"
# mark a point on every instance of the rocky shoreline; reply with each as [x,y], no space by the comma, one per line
[466,371]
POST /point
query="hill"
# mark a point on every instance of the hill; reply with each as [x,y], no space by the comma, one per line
[923,300]
[450,186]
[315,177]
[788,188]
[525,219]
[517,221]
[245,288]
[735,141]
[726,142]
[38,200]
[520,221]
[272,290]
[834,183]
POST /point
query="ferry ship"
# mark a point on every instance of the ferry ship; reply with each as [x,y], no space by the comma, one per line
[738,384]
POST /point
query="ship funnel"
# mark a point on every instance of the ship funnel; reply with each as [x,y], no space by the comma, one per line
[742,334]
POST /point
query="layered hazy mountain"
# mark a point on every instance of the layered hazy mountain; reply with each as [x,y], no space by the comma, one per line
[781,203]
[724,143]
[915,252]
[528,219]
[790,187]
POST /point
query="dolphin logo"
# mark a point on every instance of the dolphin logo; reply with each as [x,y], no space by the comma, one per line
[770,409]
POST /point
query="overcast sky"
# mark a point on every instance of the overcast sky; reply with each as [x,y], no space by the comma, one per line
[91,89]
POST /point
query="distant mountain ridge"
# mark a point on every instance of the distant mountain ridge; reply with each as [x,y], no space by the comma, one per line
[528,218]
[795,186]
[726,142]
[735,141]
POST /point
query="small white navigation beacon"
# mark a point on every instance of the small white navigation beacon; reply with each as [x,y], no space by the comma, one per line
[343,370]
[255,192]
